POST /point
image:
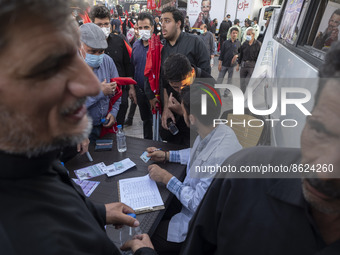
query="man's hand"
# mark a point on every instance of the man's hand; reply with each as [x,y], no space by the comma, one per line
[111,119]
[174,105]
[238,67]
[153,103]
[159,174]
[108,88]
[155,154]
[83,147]
[165,116]
[200,17]
[132,94]
[116,215]
[234,59]
[219,66]
[138,241]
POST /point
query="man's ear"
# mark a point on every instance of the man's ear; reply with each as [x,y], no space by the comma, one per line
[192,119]
[178,24]
[152,29]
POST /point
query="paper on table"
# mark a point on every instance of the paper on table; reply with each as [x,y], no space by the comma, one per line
[90,171]
[87,186]
[119,167]
[140,193]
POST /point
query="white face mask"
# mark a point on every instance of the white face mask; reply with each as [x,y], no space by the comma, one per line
[248,37]
[145,34]
[106,31]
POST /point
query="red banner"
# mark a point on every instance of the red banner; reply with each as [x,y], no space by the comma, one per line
[153,4]
[266,2]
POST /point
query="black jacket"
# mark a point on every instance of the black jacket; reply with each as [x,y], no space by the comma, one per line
[224,28]
[117,51]
[44,212]
[192,47]
[256,216]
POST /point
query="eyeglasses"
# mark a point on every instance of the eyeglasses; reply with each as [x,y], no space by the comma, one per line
[103,24]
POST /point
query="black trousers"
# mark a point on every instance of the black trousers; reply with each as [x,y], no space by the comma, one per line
[245,74]
[145,112]
[123,106]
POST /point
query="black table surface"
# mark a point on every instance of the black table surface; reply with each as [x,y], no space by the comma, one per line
[107,190]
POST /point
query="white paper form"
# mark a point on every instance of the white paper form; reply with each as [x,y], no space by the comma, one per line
[119,167]
[140,193]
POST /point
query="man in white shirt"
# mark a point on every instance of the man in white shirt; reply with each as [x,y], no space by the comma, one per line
[256,28]
[212,146]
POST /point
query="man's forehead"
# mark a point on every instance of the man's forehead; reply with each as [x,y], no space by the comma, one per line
[143,22]
[40,40]
[167,15]
[101,20]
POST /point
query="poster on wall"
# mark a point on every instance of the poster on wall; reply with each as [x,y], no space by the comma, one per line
[328,31]
[203,12]
[289,21]
[244,9]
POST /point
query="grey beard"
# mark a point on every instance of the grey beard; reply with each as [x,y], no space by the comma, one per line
[19,137]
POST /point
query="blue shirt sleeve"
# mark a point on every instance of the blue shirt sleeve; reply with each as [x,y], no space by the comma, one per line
[175,186]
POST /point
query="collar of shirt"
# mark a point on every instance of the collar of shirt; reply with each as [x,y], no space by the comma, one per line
[202,144]
[177,41]
[14,166]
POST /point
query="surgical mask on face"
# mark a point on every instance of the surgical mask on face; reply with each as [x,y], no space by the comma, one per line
[202,31]
[248,37]
[106,31]
[94,60]
[145,34]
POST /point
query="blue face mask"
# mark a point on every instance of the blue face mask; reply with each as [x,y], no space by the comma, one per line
[248,37]
[202,31]
[94,60]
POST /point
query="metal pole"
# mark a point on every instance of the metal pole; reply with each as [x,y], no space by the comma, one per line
[238,1]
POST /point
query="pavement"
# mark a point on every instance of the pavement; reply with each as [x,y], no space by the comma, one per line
[136,130]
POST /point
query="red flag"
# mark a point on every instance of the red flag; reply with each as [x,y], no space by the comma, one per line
[128,47]
[121,22]
[85,17]
[131,25]
[113,100]
[127,14]
[153,65]
[122,81]
[111,11]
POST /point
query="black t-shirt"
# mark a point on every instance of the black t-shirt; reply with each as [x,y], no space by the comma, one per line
[249,52]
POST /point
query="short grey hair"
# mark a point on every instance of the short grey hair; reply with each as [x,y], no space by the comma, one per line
[13,11]
[250,29]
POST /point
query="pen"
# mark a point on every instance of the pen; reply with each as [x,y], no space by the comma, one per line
[89,156]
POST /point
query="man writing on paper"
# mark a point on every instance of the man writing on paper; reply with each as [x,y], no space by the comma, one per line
[280,216]
[212,146]
[43,87]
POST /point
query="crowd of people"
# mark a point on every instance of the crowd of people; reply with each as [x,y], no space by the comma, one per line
[69,84]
